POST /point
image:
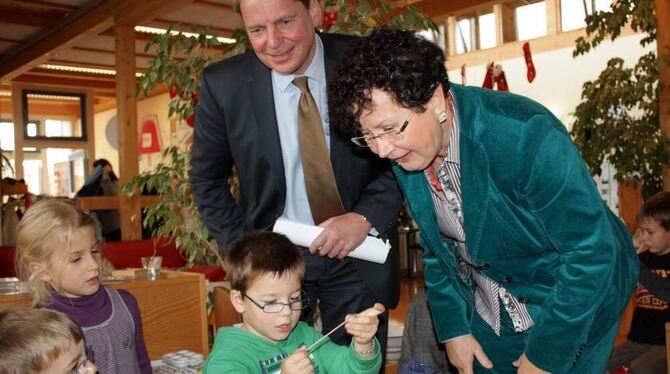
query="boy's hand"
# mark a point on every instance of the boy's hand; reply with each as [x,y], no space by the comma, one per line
[298,362]
[363,326]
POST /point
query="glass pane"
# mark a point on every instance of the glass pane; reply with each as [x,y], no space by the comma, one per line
[572,12]
[63,115]
[32,129]
[6,136]
[464,35]
[32,174]
[531,21]
[64,174]
[487,31]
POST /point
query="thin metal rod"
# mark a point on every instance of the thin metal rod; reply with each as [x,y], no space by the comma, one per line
[325,336]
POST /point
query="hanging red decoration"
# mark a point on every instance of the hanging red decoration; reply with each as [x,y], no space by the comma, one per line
[329,18]
[500,79]
[463,80]
[488,79]
[530,66]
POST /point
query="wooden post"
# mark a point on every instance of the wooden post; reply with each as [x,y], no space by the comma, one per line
[663,51]
[130,213]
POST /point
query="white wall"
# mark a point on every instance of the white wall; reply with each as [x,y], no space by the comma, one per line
[559,79]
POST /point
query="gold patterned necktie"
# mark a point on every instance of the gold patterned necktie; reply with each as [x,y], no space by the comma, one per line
[324,199]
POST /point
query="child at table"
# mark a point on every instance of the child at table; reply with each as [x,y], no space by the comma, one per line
[58,253]
[644,351]
[41,341]
[265,271]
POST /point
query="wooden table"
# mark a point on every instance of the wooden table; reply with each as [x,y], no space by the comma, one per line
[173,311]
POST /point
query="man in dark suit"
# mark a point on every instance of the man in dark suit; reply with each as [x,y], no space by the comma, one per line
[248,117]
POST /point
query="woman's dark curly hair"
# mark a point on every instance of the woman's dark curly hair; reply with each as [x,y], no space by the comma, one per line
[398,62]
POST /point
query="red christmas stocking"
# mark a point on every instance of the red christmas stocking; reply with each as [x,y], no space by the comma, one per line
[463,80]
[500,79]
[488,79]
[530,66]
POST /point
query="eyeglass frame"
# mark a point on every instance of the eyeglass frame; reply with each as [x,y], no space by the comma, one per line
[367,140]
[303,304]
[82,366]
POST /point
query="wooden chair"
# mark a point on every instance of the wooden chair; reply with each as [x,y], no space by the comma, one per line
[223,312]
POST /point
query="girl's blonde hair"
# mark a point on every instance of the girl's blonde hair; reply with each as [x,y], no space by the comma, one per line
[46,226]
[31,340]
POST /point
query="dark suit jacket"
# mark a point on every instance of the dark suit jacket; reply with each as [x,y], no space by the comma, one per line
[236,125]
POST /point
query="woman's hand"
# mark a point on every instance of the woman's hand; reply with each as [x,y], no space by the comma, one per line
[340,235]
[462,352]
[363,327]
[298,362]
[526,367]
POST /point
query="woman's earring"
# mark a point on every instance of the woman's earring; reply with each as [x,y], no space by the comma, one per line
[441,117]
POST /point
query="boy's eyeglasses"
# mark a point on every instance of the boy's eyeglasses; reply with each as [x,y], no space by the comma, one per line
[395,133]
[82,367]
[278,306]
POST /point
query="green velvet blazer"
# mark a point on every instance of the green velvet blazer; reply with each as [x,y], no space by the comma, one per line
[534,222]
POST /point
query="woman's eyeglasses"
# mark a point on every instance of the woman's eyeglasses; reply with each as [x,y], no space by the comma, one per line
[395,133]
[277,306]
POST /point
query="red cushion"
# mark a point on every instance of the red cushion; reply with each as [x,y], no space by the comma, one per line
[212,273]
[127,253]
[7,261]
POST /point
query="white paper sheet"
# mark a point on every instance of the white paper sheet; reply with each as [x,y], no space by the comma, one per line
[372,249]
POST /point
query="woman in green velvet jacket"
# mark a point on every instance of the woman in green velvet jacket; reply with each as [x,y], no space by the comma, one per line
[527,269]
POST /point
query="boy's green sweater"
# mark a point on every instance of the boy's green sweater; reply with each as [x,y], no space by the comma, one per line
[237,351]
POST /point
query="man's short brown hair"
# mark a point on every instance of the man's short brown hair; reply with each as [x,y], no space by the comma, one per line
[261,253]
[236,5]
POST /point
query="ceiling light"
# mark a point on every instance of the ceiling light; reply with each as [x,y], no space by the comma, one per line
[156,30]
[81,69]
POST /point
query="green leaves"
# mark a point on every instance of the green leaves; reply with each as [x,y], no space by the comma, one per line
[617,120]
[370,14]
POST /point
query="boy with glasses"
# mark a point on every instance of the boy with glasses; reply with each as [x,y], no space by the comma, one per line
[42,341]
[265,271]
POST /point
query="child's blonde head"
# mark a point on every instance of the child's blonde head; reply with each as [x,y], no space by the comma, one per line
[45,228]
[262,253]
[31,340]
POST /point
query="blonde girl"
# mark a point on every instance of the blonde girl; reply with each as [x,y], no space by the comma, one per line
[58,253]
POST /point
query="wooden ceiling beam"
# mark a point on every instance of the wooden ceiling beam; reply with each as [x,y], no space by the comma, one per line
[86,22]
[29,17]
[133,12]
[439,9]
[39,5]
[77,26]
[36,79]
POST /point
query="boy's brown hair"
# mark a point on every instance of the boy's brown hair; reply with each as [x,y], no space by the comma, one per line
[261,253]
[32,339]
[657,208]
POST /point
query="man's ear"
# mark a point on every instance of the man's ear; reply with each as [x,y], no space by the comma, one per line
[237,299]
[316,13]
[45,274]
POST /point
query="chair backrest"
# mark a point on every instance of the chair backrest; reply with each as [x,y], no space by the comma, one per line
[7,267]
[128,253]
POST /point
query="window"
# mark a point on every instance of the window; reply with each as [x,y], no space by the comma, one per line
[475,31]
[531,21]
[64,115]
[573,14]
[7,135]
